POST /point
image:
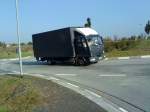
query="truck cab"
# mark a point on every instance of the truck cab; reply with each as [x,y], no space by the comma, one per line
[89,45]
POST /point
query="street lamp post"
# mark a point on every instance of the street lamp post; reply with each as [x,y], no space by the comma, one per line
[18,36]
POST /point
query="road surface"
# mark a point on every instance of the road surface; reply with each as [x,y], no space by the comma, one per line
[124,82]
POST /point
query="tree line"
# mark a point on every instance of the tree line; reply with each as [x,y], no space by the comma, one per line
[4,45]
[125,43]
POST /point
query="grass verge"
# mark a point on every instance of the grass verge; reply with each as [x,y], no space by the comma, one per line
[10,52]
[127,48]
[133,52]
[18,95]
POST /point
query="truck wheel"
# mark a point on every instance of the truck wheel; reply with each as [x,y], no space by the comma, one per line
[80,61]
[87,61]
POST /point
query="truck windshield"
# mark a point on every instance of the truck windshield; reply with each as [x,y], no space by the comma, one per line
[94,40]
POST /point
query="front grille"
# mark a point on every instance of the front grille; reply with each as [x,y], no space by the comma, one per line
[96,50]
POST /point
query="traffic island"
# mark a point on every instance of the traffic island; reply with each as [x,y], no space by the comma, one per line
[32,94]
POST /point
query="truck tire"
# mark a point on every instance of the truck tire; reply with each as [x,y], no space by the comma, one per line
[81,61]
[87,61]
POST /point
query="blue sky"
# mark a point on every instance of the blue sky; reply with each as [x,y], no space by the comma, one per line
[109,17]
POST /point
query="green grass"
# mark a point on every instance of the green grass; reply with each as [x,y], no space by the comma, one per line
[135,52]
[141,48]
[18,94]
[10,52]
[3,109]
[144,44]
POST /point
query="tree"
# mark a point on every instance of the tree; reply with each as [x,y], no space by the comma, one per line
[147,28]
[133,37]
[29,43]
[23,44]
[2,44]
[88,24]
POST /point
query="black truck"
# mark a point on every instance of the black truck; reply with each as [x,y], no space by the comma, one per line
[78,45]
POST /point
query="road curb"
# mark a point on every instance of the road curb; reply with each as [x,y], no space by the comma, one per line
[128,57]
[99,100]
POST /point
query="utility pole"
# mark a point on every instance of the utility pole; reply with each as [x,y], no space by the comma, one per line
[18,36]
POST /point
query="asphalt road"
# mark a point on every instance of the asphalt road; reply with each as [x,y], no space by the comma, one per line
[124,82]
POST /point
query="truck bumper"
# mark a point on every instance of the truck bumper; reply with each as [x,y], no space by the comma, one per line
[94,59]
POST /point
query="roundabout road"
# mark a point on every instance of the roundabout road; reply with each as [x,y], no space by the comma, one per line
[124,82]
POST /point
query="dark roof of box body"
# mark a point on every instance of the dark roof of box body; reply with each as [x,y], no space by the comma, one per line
[57,30]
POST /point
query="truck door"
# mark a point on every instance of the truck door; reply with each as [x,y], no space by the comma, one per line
[81,47]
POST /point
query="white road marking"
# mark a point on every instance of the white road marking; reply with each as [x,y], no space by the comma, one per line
[3,59]
[123,110]
[16,72]
[4,63]
[113,75]
[73,85]
[146,56]
[66,74]
[93,93]
[39,75]
[13,59]
[53,78]
[123,58]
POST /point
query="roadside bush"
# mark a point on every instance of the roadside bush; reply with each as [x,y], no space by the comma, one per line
[148,38]
[121,45]
[109,46]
